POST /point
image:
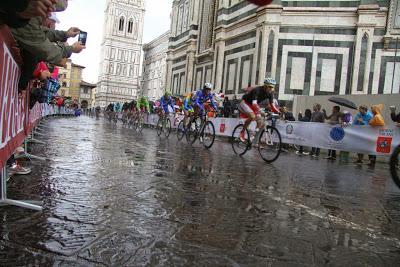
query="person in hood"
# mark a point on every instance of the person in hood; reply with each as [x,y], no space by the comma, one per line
[377,119]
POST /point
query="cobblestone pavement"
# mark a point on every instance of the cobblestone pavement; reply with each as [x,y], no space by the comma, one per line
[113,197]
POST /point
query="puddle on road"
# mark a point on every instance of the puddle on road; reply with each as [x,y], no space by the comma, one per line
[115,197]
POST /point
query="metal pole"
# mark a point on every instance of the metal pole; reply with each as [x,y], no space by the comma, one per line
[3,184]
[394,64]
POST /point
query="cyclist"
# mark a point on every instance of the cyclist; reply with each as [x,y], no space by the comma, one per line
[165,102]
[251,101]
[203,96]
[187,107]
[142,105]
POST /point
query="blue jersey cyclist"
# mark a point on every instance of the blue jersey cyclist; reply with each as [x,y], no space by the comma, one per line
[202,96]
[165,102]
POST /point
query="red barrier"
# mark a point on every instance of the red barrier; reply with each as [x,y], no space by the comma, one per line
[12,108]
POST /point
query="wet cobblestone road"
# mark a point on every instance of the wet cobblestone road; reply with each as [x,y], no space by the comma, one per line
[116,198]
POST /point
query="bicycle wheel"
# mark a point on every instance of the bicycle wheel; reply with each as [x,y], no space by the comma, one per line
[394,166]
[180,132]
[167,127]
[140,124]
[159,127]
[192,132]
[269,144]
[240,147]
[208,135]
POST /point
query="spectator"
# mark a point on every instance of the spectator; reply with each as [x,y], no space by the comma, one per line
[335,118]
[17,13]
[227,107]
[318,117]
[286,115]
[39,43]
[362,118]
[235,107]
[395,118]
[376,121]
[306,118]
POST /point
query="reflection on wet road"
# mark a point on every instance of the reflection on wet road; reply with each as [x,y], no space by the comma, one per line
[115,197]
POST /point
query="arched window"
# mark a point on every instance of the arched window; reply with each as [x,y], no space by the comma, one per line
[271,41]
[121,24]
[363,59]
[130,26]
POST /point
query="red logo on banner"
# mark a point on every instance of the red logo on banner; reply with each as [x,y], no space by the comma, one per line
[384,144]
[222,128]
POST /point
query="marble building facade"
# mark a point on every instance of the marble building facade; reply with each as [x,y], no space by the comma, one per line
[309,47]
[154,67]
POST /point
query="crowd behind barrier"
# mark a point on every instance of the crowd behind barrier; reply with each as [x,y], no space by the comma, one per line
[16,118]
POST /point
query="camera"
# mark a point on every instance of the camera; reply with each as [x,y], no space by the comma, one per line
[82,37]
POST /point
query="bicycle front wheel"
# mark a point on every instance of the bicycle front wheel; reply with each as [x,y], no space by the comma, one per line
[192,132]
[208,135]
[159,127]
[167,127]
[269,144]
[394,166]
[240,145]
[180,132]
[140,125]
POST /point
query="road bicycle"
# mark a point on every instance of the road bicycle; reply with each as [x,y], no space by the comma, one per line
[200,127]
[394,166]
[268,141]
[139,122]
[164,125]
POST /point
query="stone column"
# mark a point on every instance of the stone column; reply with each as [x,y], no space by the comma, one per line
[194,18]
[190,66]
[174,20]
[219,63]
[168,73]
[260,54]
[366,24]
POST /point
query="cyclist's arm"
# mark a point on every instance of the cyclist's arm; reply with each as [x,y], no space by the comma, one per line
[196,100]
[214,106]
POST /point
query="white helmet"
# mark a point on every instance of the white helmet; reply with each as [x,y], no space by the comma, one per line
[270,81]
[208,86]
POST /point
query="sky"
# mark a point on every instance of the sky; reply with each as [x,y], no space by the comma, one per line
[88,15]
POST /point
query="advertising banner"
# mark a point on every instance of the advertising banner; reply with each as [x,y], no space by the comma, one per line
[359,139]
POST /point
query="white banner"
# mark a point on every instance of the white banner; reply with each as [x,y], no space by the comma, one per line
[360,139]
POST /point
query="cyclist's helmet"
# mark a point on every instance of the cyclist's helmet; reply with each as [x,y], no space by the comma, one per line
[270,81]
[208,86]
[167,93]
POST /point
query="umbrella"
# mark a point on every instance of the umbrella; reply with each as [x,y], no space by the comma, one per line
[343,102]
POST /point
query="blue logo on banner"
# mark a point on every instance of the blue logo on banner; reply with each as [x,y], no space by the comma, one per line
[337,134]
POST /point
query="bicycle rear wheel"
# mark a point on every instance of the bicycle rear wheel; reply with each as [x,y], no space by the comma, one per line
[240,147]
[269,144]
[180,132]
[159,126]
[394,166]
[208,135]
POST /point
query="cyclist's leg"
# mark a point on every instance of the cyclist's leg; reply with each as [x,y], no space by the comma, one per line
[249,114]
[185,118]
